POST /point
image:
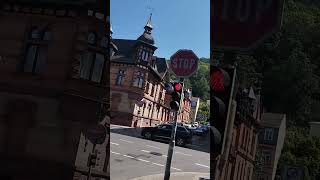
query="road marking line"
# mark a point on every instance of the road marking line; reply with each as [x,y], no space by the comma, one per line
[143,160]
[183,154]
[176,169]
[115,153]
[114,143]
[145,151]
[158,164]
[153,147]
[128,156]
[202,165]
[125,141]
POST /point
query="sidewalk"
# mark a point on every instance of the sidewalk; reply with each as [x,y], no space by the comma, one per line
[177,176]
[125,130]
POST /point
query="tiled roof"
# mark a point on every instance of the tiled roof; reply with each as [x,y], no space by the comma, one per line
[125,50]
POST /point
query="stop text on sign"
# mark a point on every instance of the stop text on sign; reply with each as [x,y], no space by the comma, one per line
[182,63]
[242,10]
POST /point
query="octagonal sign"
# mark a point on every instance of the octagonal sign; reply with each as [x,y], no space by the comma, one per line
[184,63]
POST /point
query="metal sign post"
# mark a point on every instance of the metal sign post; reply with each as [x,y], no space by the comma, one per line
[173,137]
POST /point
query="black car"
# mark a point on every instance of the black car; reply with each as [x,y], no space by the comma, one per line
[163,132]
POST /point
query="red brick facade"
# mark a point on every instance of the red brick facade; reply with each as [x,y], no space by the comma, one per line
[44,110]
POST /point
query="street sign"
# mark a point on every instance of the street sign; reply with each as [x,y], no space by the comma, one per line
[96,134]
[184,63]
[241,25]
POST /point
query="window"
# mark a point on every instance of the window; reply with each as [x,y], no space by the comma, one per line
[268,134]
[120,78]
[253,144]
[182,129]
[138,80]
[146,57]
[152,90]
[147,87]
[91,66]
[168,127]
[36,52]
[266,157]
[104,42]
[92,38]
[93,61]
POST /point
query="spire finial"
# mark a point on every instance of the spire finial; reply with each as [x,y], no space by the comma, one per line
[149,23]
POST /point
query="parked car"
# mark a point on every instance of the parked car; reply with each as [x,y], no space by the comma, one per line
[196,124]
[199,131]
[163,132]
[206,128]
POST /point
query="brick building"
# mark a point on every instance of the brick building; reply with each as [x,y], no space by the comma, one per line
[271,140]
[239,163]
[54,81]
[138,97]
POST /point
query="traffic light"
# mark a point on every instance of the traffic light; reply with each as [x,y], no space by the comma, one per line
[92,160]
[175,89]
[222,82]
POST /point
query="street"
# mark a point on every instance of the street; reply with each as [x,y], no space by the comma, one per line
[133,157]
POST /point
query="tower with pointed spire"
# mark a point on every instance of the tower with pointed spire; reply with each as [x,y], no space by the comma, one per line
[146,36]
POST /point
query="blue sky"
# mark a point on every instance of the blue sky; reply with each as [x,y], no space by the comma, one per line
[178,24]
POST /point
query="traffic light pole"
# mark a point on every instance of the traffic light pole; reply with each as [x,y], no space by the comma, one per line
[173,137]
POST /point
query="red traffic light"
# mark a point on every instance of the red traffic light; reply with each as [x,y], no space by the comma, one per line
[219,79]
[177,86]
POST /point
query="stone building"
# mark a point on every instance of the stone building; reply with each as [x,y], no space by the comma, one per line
[271,140]
[137,82]
[53,83]
[239,163]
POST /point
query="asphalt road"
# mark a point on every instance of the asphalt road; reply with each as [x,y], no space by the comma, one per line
[135,157]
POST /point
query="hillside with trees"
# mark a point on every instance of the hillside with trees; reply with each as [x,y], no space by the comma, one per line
[287,68]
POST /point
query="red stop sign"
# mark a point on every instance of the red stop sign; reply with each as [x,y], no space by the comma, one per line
[184,63]
[243,24]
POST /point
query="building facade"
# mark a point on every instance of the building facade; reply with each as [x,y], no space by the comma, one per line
[271,140]
[239,163]
[54,80]
[315,129]
[195,102]
[137,82]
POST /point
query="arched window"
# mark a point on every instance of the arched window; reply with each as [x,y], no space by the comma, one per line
[36,52]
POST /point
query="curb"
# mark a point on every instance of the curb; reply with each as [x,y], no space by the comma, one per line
[177,176]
